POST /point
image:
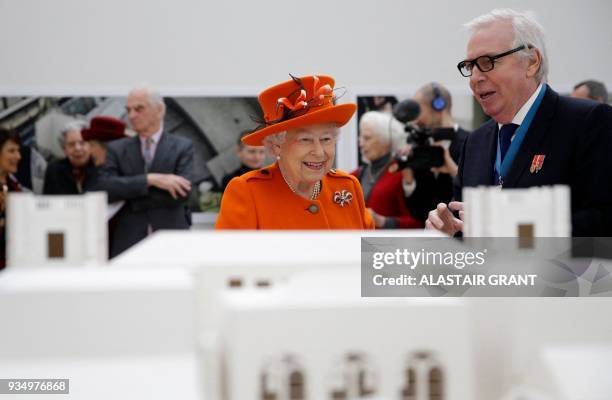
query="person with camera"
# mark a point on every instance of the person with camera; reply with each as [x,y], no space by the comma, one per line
[433,185]
[380,177]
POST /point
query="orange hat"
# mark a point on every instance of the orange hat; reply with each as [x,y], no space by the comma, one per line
[104,129]
[299,102]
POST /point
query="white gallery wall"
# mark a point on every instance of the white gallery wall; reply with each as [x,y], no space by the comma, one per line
[239,47]
[225,47]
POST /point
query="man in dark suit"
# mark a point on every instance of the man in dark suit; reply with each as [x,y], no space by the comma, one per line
[535,137]
[151,173]
[76,173]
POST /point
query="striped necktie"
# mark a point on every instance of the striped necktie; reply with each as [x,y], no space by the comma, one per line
[147,154]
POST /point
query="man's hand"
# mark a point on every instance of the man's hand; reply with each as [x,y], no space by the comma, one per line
[407,173]
[408,176]
[443,220]
[449,166]
[174,184]
[379,220]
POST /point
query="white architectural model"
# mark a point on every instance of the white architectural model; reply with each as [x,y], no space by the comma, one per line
[524,213]
[314,337]
[56,230]
[279,315]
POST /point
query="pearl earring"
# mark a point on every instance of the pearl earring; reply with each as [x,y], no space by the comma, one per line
[278,157]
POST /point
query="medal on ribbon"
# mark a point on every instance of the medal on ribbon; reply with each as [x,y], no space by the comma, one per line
[537,163]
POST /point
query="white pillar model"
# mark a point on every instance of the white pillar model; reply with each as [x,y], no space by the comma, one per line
[56,230]
[532,212]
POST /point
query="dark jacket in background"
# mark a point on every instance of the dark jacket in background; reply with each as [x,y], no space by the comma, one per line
[227,178]
[432,189]
[59,178]
[12,185]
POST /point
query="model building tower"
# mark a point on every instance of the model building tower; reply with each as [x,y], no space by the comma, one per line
[56,230]
[523,213]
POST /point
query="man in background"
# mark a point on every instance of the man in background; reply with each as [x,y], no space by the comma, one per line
[150,172]
[592,90]
[251,157]
[435,185]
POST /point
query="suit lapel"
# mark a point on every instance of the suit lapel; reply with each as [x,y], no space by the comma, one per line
[134,156]
[481,170]
[163,147]
[535,135]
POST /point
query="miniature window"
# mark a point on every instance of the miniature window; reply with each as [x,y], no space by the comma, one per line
[55,245]
[525,236]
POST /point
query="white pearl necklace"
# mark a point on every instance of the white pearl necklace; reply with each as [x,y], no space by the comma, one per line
[315,191]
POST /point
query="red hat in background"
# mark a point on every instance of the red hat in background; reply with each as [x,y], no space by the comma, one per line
[104,128]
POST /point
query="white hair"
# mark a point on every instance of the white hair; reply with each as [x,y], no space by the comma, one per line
[69,127]
[527,32]
[387,129]
[278,139]
[154,97]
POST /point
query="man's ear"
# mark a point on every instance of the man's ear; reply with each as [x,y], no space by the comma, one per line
[161,109]
[535,62]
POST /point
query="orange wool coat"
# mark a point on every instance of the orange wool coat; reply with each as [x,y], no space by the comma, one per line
[261,199]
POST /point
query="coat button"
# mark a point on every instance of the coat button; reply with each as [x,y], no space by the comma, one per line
[313,209]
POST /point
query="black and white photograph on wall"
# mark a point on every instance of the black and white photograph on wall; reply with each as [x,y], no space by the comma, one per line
[214,125]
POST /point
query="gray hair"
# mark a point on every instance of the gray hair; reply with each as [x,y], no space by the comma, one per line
[69,127]
[153,95]
[597,90]
[527,31]
[278,139]
[274,140]
[388,130]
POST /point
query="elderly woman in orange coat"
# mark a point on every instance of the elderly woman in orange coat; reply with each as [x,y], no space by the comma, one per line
[300,190]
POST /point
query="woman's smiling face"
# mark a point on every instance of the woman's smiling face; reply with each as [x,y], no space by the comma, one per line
[307,153]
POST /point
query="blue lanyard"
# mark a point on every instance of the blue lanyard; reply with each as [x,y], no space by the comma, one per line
[502,168]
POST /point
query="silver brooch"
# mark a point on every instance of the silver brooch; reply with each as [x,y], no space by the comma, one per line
[343,197]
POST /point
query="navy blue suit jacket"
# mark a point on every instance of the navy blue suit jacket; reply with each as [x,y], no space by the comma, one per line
[575,136]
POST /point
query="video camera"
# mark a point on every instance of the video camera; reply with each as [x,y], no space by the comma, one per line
[423,154]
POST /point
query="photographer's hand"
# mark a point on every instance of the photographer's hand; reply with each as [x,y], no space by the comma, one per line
[408,176]
[408,180]
[449,166]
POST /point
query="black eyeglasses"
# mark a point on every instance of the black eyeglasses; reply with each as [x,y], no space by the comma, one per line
[485,63]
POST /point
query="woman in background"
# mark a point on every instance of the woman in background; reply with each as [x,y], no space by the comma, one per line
[102,129]
[9,159]
[383,185]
